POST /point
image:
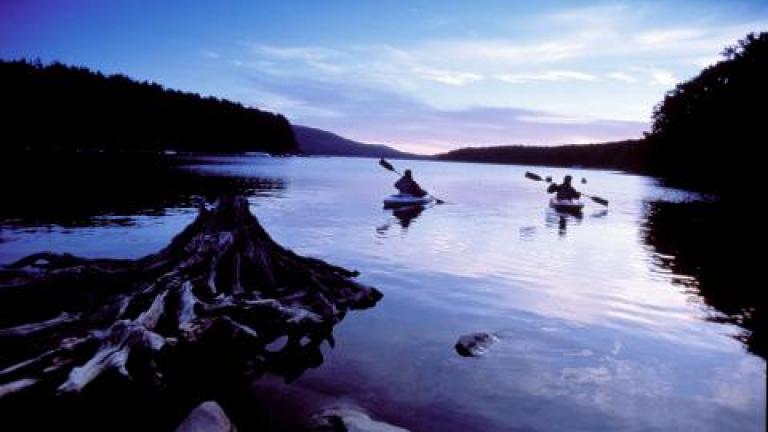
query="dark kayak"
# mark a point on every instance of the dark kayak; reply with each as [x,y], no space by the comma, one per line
[569,205]
[404,200]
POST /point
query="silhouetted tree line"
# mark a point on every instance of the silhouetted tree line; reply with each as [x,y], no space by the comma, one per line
[625,155]
[706,133]
[65,109]
[711,127]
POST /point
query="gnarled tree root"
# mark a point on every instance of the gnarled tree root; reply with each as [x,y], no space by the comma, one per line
[69,320]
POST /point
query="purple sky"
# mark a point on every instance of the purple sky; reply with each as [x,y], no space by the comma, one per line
[422,76]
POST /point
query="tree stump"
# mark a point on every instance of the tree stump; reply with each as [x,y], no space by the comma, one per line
[222,289]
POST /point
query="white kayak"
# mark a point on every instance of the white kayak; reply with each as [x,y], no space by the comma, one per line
[569,205]
[402,200]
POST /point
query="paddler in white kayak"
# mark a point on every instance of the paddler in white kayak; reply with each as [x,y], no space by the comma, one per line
[410,191]
[408,186]
[565,191]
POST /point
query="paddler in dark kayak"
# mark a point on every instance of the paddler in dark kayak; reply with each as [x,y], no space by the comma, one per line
[408,186]
[565,191]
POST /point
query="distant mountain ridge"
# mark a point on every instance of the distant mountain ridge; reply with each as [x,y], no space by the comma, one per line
[313,141]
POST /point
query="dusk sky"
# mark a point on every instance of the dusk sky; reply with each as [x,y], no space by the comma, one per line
[423,76]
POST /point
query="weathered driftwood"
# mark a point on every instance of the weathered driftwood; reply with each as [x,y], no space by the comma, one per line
[70,320]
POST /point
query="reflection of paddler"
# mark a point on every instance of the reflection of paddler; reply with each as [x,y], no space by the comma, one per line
[407,214]
[562,221]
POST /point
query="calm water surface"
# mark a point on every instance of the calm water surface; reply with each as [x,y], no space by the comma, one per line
[595,331]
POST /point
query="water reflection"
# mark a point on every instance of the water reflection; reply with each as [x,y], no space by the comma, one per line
[407,214]
[596,338]
[404,216]
[292,361]
[693,241]
[101,191]
[561,220]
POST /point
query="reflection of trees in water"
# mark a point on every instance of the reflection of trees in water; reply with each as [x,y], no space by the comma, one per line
[700,244]
[92,190]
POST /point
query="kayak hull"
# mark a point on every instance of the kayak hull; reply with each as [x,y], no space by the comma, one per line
[403,200]
[569,206]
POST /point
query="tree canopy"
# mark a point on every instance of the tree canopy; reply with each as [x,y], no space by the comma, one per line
[626,155]
[715,122]
[65,109]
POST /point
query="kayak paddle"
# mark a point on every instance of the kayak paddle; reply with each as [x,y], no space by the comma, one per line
[597,199]
[532,176]
[388,166]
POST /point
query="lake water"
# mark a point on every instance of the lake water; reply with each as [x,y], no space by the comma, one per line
[598,328]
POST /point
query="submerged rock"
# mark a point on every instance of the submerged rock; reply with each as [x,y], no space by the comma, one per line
[207,417]
[475,344]
[348,419]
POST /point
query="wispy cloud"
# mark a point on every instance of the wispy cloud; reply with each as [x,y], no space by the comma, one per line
[500,52]
[296,53]
[457,62]
[604,15]
[664,78]
[454,78]
[386,116]
[704,61]
[556,79]
[558,75]
[555,119]
[621,76]
[661,38]
[210,54]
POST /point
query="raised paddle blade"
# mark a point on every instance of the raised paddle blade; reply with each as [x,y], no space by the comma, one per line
[532,176]
[599,200]
[386,165]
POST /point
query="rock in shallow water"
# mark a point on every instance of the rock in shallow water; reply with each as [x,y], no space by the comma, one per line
[207,417]
[348,419]
[475,344]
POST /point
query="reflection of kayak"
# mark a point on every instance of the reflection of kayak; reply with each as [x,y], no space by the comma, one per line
[404,200]
[573,206]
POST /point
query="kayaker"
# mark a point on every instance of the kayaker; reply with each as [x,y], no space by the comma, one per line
[565,191]
[408,186]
